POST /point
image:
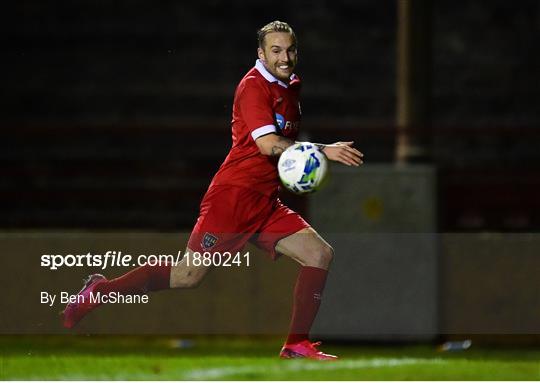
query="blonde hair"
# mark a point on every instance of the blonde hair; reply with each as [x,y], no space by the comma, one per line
[274,26]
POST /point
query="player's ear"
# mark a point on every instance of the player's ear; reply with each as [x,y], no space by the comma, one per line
[260,53]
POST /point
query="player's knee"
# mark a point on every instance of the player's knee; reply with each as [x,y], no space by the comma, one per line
[326,255]
[196,279]
[187,279]
[188,283]
[321,257]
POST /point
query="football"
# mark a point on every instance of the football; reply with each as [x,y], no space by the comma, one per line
[302,168]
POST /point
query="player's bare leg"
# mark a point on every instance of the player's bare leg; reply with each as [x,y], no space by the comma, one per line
[315,255]
[185,276]
[308,248]
[138,281]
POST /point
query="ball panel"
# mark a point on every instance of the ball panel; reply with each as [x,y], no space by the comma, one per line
[302,168]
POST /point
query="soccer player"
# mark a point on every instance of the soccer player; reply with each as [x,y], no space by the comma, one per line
[241,203]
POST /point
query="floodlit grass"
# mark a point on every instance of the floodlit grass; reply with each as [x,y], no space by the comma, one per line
[159,358]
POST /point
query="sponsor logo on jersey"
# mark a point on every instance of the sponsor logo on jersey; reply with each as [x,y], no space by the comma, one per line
[208,241]
[280,121]
[286,127]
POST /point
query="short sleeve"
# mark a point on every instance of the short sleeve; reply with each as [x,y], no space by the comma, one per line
[255,106]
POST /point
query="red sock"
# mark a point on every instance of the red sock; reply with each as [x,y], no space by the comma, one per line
[139,281]
[307,299]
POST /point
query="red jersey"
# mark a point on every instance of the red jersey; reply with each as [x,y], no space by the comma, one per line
[262,105]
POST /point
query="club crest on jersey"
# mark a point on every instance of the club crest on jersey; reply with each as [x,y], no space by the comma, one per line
[208,241]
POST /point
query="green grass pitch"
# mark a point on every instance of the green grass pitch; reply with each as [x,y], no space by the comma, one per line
[160,358]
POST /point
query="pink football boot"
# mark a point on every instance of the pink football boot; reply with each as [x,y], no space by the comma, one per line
[74,312]
[304,349]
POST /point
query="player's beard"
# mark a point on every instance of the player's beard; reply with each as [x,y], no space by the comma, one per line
[283,75]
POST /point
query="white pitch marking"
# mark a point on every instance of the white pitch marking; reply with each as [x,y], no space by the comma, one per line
[304,365]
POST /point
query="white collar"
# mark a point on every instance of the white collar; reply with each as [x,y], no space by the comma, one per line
[269,76]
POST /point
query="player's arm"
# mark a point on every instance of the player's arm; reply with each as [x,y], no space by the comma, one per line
[342,152]
[272,144]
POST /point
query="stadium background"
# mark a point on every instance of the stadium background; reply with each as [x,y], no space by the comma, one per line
[116,116]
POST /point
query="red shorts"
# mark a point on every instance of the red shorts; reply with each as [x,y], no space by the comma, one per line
[231,216]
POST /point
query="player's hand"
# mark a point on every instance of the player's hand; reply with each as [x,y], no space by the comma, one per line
[343,152]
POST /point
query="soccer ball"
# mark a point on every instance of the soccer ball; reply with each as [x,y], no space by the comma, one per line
[302,168]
